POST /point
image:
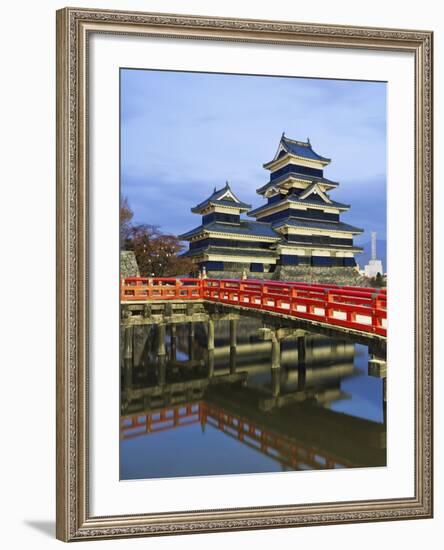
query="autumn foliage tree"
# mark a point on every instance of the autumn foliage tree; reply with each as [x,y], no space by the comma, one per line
[157,254]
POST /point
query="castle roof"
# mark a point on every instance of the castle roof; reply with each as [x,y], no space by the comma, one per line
[314,200]
[222,251]
[310,246]
[301,148]
[245,227]
[314,224]
[222,197]
[298,148]
[296,175]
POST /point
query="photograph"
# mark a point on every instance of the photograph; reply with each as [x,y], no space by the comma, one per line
[244,273]
[253,274]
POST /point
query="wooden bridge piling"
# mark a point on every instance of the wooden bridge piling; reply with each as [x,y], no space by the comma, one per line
[161,333]
[210,362]
[302,365]
[275,382]
[233,354]
[128,356]
[233,332]
[173,341]
[210,335]
[275,352]
[191,340]
[161,369]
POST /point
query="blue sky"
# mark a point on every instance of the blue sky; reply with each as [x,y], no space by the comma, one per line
[182,134]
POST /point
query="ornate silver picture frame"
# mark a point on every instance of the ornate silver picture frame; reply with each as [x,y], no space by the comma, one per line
[75,520]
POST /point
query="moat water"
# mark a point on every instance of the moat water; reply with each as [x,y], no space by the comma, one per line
[191,411]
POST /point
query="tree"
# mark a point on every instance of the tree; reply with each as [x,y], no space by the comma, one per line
[379,281]
[126,215]
[376,282]
[157,254]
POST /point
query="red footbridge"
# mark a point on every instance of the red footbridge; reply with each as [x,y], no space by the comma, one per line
[358,308]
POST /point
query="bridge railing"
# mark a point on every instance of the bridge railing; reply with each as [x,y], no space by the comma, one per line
[363,309]
[251,433]
[159,288]
[357,308]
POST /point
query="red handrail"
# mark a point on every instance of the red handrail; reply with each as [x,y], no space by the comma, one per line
[160,288]
[358,308]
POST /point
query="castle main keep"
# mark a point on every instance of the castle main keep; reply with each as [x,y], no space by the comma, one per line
[297,230]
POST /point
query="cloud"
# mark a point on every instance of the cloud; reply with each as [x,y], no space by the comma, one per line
[368,202]
[184,133]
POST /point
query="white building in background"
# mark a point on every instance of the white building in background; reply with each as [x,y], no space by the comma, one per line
[374,266]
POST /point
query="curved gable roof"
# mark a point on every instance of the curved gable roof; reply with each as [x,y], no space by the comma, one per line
[222,197]
[301,149]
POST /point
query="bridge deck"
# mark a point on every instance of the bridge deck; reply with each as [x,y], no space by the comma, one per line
[358,313]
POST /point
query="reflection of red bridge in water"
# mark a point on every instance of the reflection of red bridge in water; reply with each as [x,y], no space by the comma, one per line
[284,449]
[358,308]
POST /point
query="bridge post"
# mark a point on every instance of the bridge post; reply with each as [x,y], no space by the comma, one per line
[147,405]
[275,382]
[232,360]
[191,341]
[233,332]
[202,416]
[147,311]
[275,336]
[210,363]
[302,365]
[128,356]
[301,349]
[233,343]
[275,351]
[173,341]
[161,331]
[377,367]
[161,369]
[210,339]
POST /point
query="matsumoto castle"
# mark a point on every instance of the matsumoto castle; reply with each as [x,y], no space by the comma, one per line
[296,229]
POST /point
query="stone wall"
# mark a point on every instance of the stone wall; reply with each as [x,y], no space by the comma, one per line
[238,275]
[326,275]
[305,274]
[128,264]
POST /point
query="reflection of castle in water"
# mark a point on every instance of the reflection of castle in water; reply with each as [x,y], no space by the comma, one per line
[269,388]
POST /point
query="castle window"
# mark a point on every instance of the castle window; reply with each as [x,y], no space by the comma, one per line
[256,267]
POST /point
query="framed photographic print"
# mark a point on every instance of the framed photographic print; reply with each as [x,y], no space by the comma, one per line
[244,274]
